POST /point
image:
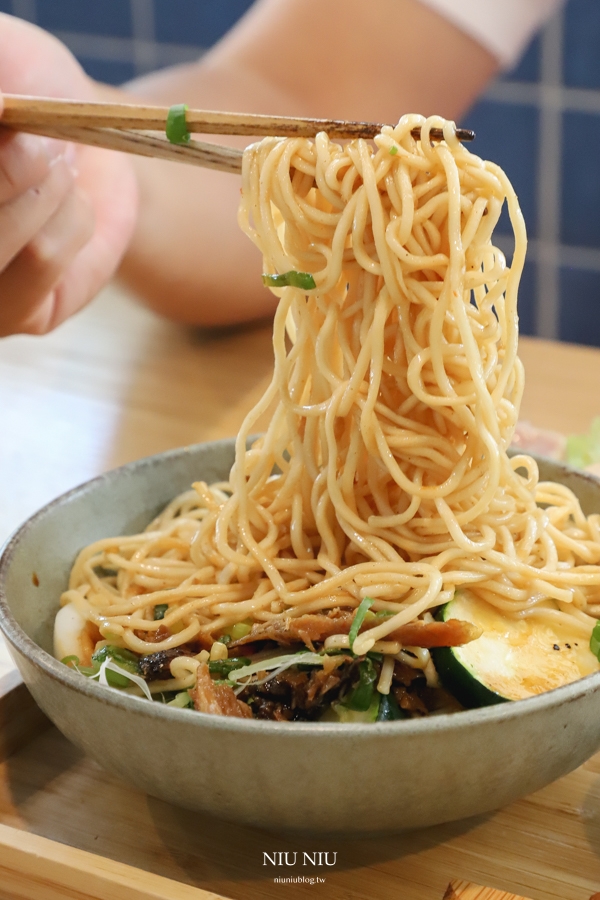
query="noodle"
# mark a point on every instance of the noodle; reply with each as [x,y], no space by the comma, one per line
[396,389]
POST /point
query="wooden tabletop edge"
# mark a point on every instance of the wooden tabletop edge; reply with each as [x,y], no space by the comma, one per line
[40,869]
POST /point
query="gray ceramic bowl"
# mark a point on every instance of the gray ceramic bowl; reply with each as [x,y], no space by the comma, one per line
[327,777]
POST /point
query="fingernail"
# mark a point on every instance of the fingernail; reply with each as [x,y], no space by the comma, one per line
[70,155]
[53,149]
[65,152]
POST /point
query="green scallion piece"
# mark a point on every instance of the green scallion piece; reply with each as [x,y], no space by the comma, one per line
[393,151]
[594,641]
[303,280]
[160,610]
[361,696]
[71,661]
[181,701]
[177,130]
[240,630]
[224,666]
[359,618]
[389,710]
[124,658]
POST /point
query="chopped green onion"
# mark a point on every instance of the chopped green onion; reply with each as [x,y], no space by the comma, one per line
[89,671]
[225,666]
[302,280]
[595,640]
[164,697]
[239,630]
[109,673]
[371,616]
[177,130]
[389,710]
[362,695]
[125,659]
[393,151]
[224,639]
[349,716]
[71,661]
[109,665]
[279,663]
[181,700]
[160,610]
[359,618]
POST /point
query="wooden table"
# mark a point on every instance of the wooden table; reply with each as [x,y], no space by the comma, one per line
[116,383]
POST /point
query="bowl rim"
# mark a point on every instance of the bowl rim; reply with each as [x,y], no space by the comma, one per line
[54,669]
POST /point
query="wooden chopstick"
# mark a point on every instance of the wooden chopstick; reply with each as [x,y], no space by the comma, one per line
[20,110]
[196,153]
[125,127]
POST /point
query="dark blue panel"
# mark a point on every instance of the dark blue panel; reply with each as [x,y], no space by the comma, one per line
[6,6]
[580,306]
[527,302]
[581,180]
[582,35]
[496,125]
[196,22]
[528,67]
[107,17]
[108,72]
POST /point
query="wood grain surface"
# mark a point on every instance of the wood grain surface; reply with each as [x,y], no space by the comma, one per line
[34,868]
[460,890]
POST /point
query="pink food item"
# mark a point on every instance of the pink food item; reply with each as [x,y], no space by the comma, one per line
[547,443]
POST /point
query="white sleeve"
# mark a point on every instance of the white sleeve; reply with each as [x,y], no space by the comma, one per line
[504,27]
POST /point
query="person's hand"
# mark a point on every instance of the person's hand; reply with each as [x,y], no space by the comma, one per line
[66,212]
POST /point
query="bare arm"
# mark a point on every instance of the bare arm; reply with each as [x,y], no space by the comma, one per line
[342,58]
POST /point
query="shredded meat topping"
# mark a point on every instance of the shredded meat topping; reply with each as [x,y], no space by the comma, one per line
[413,695]
[217,699]
[312,628]
[307,628]
[452,633]
[296,694]
[153,637]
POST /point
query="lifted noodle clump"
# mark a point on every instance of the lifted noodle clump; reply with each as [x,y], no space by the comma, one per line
[396,389]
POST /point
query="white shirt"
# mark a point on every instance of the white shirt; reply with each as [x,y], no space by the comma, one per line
[504,27]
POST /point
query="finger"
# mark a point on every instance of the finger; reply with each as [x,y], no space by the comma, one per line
[31,277]
[23,217]
[24,162]
[111,185]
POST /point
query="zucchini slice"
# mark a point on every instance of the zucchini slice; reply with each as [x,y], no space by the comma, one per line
[513,658]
